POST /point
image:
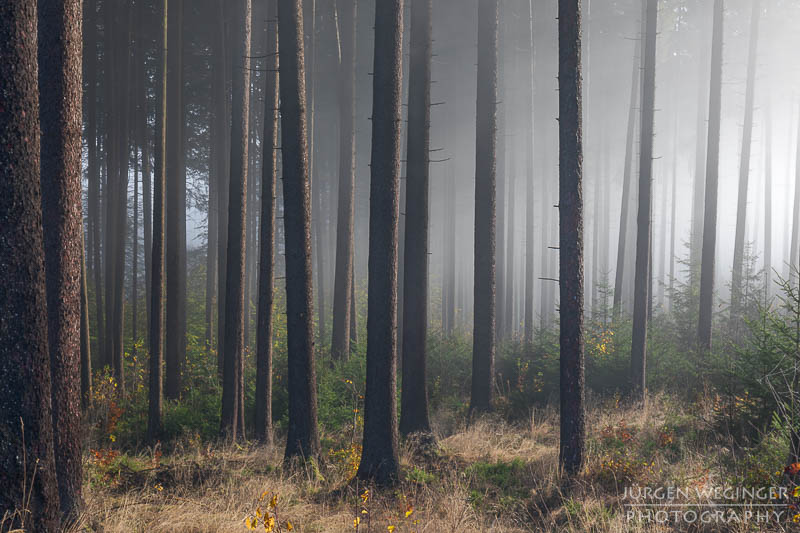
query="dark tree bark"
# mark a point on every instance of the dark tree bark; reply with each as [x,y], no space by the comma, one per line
[266,275]
[342,290]
[529,196]
[572,447]
[302,439]
[237,212]
[744,164]
[483,343]
[60,88]
[643,274]
[414,394]
[156,336]
[176,208]
[93,170]
[379,459]
[27,431]
[712,179]
[627,178]
[222,73]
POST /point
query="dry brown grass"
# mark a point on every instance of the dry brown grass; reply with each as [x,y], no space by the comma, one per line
[212,489]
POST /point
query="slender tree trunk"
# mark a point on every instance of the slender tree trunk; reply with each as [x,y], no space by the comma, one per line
[449,261]
[712,179]
[353,305]
[627,178]
[768,204]
[222,127]
[93,171]
[263,408]
[573,419]
[795,242]
[156,337]
[483,338]
[672,217]
[342,292]
[135,260]
[60,89]
[302,439]
[234,284]
[511,179]
[25,405]
[699,185]
[379,459]
[529,201]
[86,348]
[502,131]
[414,394]
[144,143]
[643,283]
[176,208]
[744,165]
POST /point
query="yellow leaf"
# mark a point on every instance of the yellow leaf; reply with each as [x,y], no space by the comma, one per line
[409,511]
[289,526]
[250,523]
[258,512]
[356,521]
[274,501]
[263,494]
[390,528]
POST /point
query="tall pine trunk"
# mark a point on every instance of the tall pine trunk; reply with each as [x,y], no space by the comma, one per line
[529,196]
[25,406]
[744,165]
[414,394]
[379,458]
[266,275]
[342,291]
[156,295]
[303,439]
[232,343]
[712,179]
[570,200]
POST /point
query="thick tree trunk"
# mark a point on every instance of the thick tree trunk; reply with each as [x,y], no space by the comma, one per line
[156,295]
[744,165]
[25,405]
[302,439]
[379,459]
[414,394]
[342,291]
[60,89]
[643,274]
[570,200]
[176,208]
[712,179]
[529,196]
[483,338]
[266,275]
[234,284]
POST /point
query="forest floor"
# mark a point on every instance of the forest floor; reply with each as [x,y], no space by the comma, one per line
[489,476]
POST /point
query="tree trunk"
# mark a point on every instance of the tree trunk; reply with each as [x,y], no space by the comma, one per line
[570,199]
[222,74]
[511,180]
[712,179]
[379,459]
[86,348]
[643,284]
[237,211]
[144,143]
[744,165]
[768,204]
[502,131]
[60,89]
[449,253]
[25,405]
[176,208]
[414,394]
[302,439]
[795,242]
[672,217]
[342,291]
[529,196]
[483,343]
[156,336]
[619,280]
[266,275]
